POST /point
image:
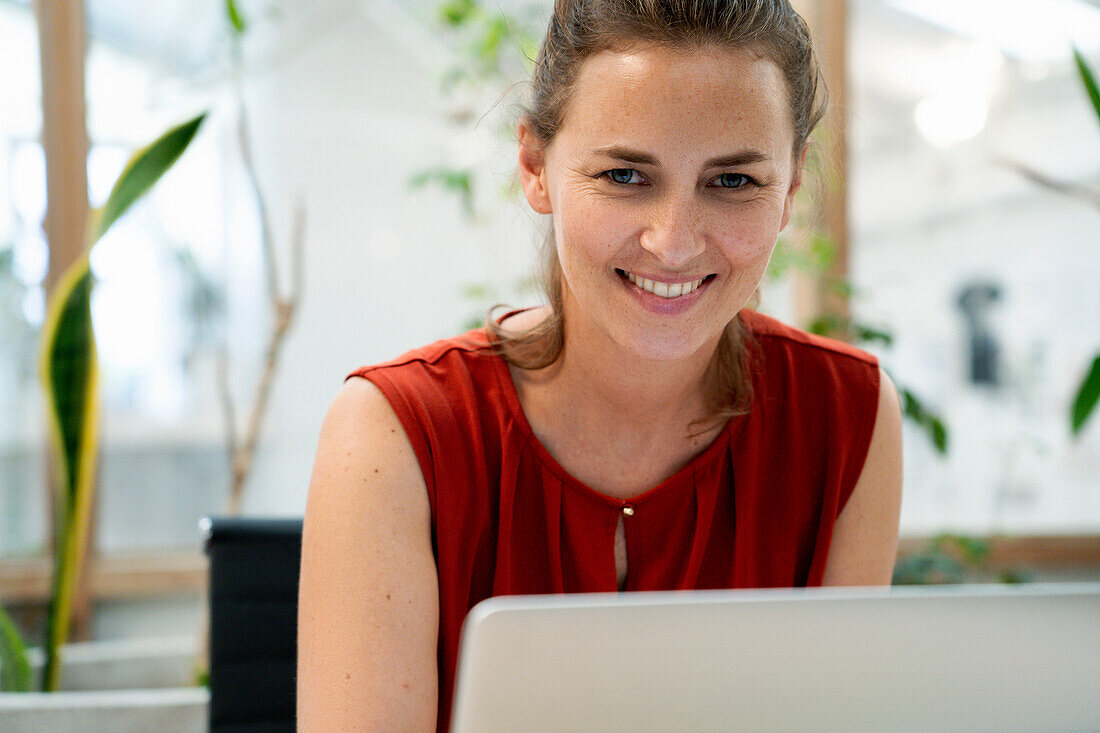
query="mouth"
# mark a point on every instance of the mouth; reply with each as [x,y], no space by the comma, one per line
[666,290]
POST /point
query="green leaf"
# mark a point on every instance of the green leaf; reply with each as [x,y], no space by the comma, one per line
[973,549]
[144,169]
[831,324]
[937,430]
[15,670]
[477,291]
[235,18]
[827,325]
[488,47]
[932,424]
[1087,395]
[869,334]
[1088,78]
[1015,576]
[69,367]
[928,568]
[70,374]
[457,12]
[457,181]
[813,259]
[842,288]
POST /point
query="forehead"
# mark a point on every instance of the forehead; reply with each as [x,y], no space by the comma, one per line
[656,96]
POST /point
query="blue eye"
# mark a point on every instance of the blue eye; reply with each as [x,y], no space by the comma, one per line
[733,180]
[621,175]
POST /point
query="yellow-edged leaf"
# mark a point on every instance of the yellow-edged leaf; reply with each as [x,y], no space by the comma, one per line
[144,168]
[70,377]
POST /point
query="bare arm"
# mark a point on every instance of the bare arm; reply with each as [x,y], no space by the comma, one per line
[865,538]
[368,601]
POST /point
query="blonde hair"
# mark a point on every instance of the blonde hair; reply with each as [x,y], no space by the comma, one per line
[581,28]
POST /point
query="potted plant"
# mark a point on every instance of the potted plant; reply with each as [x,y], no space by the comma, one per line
[69,372]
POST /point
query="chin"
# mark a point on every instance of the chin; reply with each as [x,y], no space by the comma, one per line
[674,347]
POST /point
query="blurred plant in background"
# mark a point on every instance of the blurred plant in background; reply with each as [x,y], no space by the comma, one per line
[804,249]
[1087,394]
[204,305]
[15,669]
[816,261]
[954,558]
[494,53]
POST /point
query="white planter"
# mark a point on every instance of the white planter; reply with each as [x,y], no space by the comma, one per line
[182,709]
[137,685]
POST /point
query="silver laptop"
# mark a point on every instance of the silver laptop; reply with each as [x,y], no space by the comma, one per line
[961,658]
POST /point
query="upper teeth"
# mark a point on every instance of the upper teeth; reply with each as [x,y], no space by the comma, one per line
[665,290]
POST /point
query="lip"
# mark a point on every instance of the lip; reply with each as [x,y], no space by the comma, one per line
[679,280]
[664,306]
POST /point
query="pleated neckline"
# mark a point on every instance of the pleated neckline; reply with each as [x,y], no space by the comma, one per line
[683,479]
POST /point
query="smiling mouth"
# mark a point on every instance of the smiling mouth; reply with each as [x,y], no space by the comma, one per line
[664,290]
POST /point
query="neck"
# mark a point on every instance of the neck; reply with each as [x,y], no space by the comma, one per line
[606,383]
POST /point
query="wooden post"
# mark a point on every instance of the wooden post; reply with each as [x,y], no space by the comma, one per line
[61,43]
[828,20]
[64,135]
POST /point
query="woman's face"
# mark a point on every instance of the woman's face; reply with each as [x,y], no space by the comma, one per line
[669,181]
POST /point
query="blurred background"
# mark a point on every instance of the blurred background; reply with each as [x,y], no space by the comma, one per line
[953,229]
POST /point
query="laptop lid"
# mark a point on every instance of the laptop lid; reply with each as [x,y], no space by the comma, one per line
[973,658]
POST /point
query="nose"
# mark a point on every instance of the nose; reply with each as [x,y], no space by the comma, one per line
[673,234]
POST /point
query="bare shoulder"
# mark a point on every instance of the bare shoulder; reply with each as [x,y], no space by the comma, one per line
[368,595]
[865,536]
[361,420]
[364,456]
[523,321]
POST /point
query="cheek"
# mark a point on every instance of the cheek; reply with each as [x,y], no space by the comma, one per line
[588,229]
[751,247]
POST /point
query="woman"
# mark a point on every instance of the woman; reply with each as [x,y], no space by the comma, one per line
[643,431]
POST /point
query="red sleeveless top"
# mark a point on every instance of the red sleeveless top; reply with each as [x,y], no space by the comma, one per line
[755,509]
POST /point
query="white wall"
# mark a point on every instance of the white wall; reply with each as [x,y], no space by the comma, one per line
[346,123]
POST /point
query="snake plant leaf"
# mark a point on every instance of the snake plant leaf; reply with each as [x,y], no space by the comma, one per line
[1088,394]
[15,670]
[1089,80]
[70,374]
[70,377]
[67,362]
[144,169]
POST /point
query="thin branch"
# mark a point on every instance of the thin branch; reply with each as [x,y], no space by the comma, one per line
[1074,190]
[244,141]
[285,309]
[298,254]
[225,394]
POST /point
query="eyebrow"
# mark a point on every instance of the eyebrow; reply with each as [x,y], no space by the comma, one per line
[744,157]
